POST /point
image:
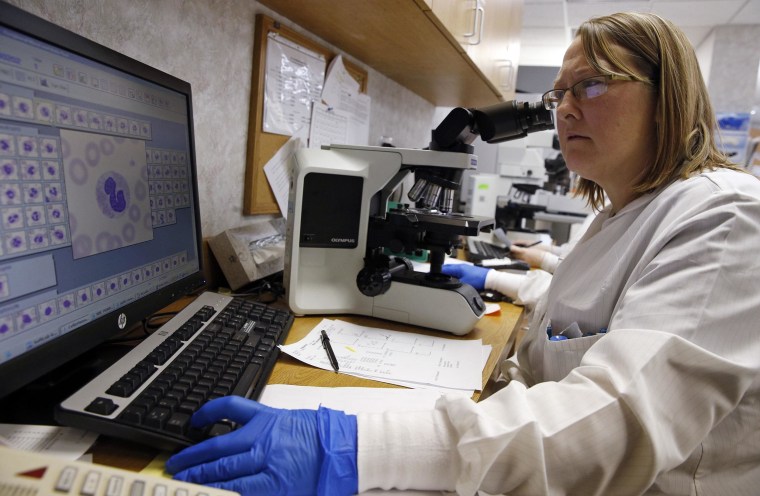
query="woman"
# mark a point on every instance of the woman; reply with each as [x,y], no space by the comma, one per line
[660,391]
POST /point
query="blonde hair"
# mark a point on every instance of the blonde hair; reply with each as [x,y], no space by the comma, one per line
[655,50]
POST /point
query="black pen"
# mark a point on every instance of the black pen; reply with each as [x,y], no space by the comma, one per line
[328,348]
[528,246]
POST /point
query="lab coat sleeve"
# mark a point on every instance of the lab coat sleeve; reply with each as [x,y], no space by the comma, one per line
[523,289]
[549,262]
[406,450]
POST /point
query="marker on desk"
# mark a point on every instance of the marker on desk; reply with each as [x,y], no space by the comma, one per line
[328,348]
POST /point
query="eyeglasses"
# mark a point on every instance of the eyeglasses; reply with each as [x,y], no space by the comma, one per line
[585,89]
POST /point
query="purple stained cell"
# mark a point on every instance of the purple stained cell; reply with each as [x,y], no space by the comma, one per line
[66,303]
[33,192]
[11,194]
[137,277]
[4,328]
[125,281]
[8,169]
[45,111]
[84,297]
[16,242]
[13,218]
[51,170]
[35,216]
[49,148]
[113,285]
[24,107]
[31,170]
[48,311]
[113,194]
[56,214]
[64,115]
[38,239]
[59,234]
[28,146]
[5,145]
[26,319]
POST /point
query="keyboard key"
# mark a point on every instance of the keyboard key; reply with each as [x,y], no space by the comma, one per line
[101,406]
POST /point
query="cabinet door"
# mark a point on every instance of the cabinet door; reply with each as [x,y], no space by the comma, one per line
[489,31]
[498,54]
[463,18]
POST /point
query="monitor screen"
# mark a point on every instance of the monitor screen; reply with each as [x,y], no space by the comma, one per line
[99,219]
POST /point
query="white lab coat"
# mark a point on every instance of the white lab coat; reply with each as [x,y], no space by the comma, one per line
[666,402]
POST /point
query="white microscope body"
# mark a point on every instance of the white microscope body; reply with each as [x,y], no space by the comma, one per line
[336,195]
[346,248]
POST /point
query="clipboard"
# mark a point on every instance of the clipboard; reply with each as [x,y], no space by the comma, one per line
[262,145]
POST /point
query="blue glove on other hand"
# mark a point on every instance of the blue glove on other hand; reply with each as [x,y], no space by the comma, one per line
[298,452]
[469,274]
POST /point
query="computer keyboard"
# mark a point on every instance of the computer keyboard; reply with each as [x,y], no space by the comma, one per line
[26,473]
[478,250]
[216,346]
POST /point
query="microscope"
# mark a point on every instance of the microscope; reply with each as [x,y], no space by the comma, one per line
[347,250]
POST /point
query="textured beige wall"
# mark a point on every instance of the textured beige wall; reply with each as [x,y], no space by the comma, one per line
[209,43]
[733,80]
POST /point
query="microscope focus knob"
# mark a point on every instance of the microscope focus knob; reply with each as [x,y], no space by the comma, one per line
[373,281]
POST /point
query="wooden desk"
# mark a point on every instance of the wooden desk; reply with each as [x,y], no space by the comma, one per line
[499,331]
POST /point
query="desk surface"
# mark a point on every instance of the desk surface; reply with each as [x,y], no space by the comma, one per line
[497,330]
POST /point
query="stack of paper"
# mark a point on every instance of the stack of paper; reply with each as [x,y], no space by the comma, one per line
[401,358]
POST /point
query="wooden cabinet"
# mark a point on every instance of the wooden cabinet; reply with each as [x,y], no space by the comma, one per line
[407,42]
[489,32]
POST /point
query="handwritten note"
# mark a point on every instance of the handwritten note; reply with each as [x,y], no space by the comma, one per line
[393,356]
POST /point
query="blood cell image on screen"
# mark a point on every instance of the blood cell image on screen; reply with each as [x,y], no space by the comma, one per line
[105,185]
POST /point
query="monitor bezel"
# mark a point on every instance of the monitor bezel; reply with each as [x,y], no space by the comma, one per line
[32,365]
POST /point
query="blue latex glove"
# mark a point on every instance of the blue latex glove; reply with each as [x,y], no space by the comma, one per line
[298,452]
[473,275]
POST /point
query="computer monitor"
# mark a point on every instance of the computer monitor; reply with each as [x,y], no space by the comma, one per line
[99,218]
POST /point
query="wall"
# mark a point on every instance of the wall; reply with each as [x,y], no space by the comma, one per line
[733,72]
[209,43]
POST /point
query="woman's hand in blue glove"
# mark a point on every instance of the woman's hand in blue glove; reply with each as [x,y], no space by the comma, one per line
[473,275]
[299,452]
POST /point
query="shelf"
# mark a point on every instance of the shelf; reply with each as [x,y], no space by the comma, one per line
[401,39]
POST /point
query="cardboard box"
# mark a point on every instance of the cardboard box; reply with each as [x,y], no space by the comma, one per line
[251,252]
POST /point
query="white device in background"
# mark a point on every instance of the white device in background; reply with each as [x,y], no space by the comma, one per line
[30,473]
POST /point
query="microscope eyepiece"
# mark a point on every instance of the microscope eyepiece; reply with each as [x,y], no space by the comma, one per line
[511,120]
[494,124]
